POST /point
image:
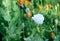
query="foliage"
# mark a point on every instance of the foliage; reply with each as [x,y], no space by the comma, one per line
[16,23]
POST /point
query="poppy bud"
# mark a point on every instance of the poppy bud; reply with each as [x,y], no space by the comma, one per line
[23,25]
[56,8]
[56,21]
[27,10]
[57,4]
[52,35]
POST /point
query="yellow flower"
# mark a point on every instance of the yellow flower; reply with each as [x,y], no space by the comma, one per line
[40,7]
[48,6]
[21,2]
[29,14]
[27,2]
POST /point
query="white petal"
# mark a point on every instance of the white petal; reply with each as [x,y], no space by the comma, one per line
[38,18]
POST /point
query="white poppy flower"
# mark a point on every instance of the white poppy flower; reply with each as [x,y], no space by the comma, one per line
[38,18]
[56,21]
[27,10]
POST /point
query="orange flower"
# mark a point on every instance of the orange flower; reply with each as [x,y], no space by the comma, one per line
[48,6]
[40,7]
[29,14]
[27,2]
[52,34]
[21,2]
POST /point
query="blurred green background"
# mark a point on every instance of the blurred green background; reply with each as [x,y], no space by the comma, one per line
[15,26]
